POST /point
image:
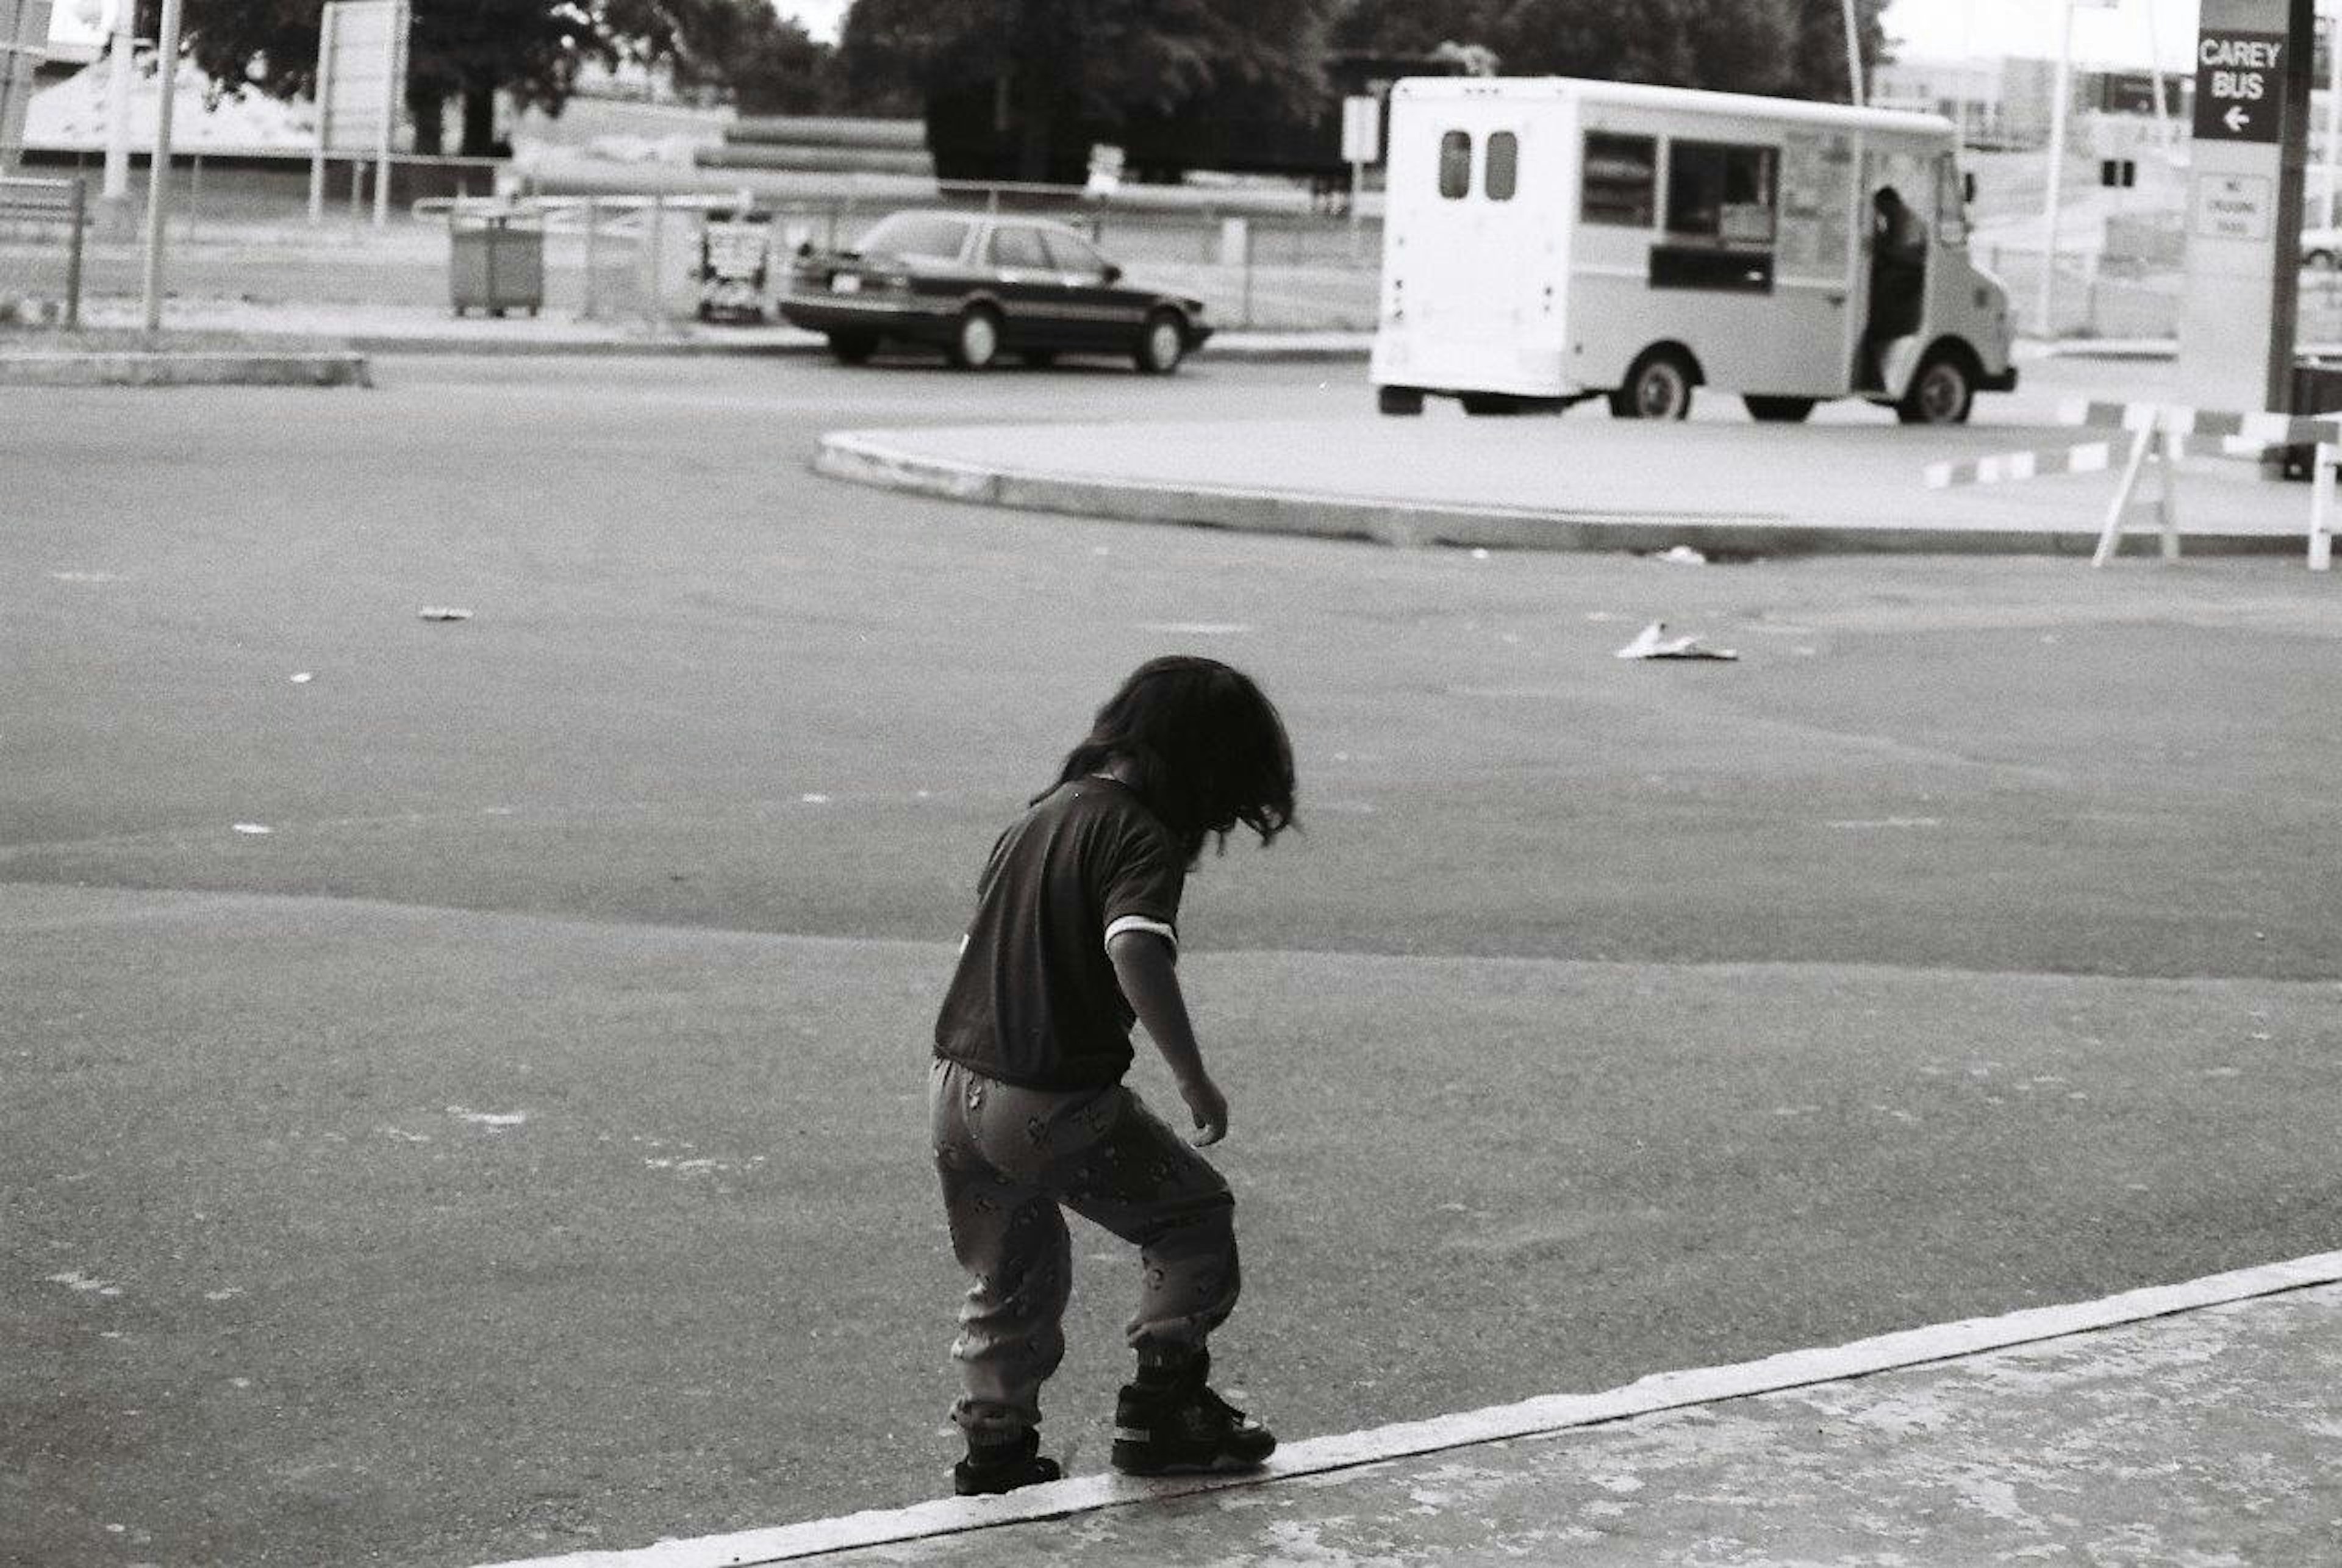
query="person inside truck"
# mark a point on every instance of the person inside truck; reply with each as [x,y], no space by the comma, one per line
[1898,270]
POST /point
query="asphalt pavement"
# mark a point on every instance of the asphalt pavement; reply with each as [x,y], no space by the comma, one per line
[513,1149]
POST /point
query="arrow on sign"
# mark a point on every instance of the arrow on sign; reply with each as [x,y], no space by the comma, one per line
[2236,119]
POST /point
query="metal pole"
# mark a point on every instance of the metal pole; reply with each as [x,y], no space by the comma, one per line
[2155,65]
[118,107]
[591,308]
[2057,163]
[654,243]
[1854,94]
[325,92]
[72,256]
[158,172]
[393,78]
[2333,116]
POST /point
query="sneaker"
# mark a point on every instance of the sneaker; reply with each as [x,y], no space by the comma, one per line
[1183,1428]
[993,1468]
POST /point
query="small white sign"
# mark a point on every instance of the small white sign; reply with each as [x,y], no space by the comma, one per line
[1362,129]
[1106,169]
[2235,206]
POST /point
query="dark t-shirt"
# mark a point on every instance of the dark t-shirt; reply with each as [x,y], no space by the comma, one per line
[1034,1001]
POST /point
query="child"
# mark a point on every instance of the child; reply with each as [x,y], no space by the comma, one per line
[1074,935]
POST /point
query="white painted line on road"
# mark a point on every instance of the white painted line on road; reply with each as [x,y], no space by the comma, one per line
[1530,1418]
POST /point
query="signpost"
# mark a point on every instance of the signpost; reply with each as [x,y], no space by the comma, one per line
[361,89]
[2241,306]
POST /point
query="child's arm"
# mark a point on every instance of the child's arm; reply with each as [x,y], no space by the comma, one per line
[1142,963]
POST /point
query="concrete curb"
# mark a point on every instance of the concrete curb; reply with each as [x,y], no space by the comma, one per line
[431,346]
[877,458]
[1904,1350]
[184,368]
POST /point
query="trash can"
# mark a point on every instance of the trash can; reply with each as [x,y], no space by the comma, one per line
[495,260]
[2316,389]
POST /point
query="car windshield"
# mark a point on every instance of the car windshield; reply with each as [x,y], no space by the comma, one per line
[927,236]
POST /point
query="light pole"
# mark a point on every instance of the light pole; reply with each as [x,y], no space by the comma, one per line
[2059,94]
[1854,92]
[158,170]
[2333,116]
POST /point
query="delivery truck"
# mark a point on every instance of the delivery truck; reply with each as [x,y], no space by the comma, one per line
[1548,240]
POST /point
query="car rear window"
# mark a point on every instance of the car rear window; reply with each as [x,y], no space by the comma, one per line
[929,237]
[1020,248]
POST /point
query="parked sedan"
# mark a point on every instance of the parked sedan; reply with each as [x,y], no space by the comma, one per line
[978,285]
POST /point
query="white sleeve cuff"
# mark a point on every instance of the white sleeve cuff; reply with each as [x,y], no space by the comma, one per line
[1140,923]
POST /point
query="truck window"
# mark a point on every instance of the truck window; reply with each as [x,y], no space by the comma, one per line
[1455,164]
[1720,192]
[1504,166]
[1622,175]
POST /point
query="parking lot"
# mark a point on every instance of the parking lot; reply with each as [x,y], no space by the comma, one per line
[517,1146]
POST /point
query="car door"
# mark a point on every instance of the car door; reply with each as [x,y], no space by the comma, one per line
[1102,312]
[1026,282]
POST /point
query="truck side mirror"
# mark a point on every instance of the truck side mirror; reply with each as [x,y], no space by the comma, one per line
[1968,186]
[1113,273]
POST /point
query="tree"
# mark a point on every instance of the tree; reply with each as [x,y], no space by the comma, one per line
[1051,70]
[1817,67]
[766,65]
[1787,48]
[469,50]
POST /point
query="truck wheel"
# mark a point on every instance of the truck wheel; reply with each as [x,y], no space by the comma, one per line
[1658,387]
[1778,410]
[1398,400]
[975,341]
[1941,394]
[1163,344]
[852,347]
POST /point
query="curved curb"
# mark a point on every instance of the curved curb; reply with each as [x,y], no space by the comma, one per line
[189,368]
[883,459]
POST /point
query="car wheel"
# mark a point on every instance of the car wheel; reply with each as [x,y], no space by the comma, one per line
[1941,394]
[975,341]
[1398,400]
[2318,260]
[1658,387]
[1163,344]
[852,347]
[1778,410]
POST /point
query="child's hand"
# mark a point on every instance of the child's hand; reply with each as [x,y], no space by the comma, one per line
[1210,1109]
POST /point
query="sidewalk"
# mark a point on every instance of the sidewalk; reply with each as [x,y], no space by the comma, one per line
[2190,1424]
[1851,481]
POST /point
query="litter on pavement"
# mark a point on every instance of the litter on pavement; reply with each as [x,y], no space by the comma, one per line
[253,827]
[1653,642]
[445,613]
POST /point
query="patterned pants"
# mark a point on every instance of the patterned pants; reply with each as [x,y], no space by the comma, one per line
[1009,1158]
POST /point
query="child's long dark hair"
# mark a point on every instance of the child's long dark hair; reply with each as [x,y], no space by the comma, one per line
[1209,749]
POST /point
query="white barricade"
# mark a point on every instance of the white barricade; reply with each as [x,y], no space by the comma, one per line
[2167,432]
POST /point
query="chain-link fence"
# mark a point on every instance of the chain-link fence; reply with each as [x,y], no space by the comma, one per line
[43,230]
[240,236]
[2100,297]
